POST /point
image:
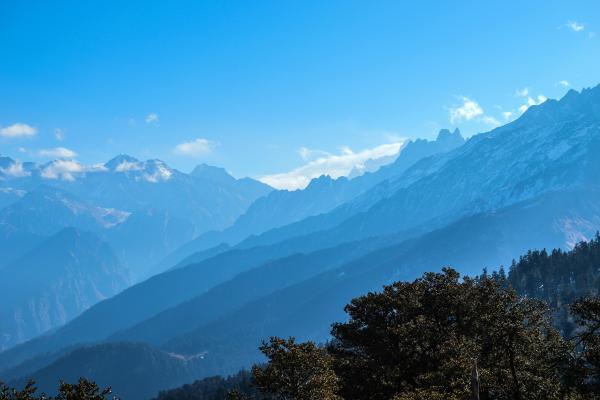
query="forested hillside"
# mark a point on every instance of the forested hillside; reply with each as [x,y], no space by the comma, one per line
[418,340]
[559,277]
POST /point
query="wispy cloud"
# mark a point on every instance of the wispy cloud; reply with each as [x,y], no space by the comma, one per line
[308,154]
[57,152]
[125,166]
[195,148]
[471,110]
[522,92]
[489,120]
[151,118]
[465,112]
[575,26]
[334,165]
[59,134]
[15,170]
[18,130]
[68,170]
[532,102]
[507,115]
[63,169]
[563,83]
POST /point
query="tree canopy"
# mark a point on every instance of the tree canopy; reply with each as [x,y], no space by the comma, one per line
[421,340]
[82,390]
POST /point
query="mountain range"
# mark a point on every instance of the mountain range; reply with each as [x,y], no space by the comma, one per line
[134,205]
[323,194]
[54,282]
[289,261]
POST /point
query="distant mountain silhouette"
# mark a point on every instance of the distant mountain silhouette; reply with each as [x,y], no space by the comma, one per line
[135,205]
[56,281]
[322,195]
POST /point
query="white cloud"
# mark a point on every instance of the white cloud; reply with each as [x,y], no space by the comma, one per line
[18,130]
[151,118]
[575,26]
[334,165]
[57,152]
[489,120]
[471,110]
[63,169]
[563,83]
[59,134]
[308,154]
[466,112]
[304,152]
[522,92]
[15,170]
[507,115]
[161,173]
[195,148]
[532,102]
[125,166]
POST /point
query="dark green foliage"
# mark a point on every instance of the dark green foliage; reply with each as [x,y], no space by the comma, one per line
[238,386]
[82,390]
[296,371]
[418,340]
[587,365]
[559,278]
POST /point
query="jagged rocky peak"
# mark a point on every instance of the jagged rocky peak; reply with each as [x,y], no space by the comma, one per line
[572,105]
[120,161]
[446,140]
[323,180]
[588,100]
[445,136]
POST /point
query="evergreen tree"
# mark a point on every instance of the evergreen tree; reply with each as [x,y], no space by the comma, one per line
[587,367]
[417,340]
[296,371]
[82,390]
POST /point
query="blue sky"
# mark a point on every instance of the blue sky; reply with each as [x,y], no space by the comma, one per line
[282,89]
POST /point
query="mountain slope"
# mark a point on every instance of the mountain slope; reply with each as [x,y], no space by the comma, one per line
[257,282]
[552,146]
[135,205]
[306,309]
[46,210]
[146,299]
[9,196]
[140,370]
[322,195]
[56,281]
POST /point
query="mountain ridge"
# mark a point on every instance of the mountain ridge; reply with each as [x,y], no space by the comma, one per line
[53,282]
